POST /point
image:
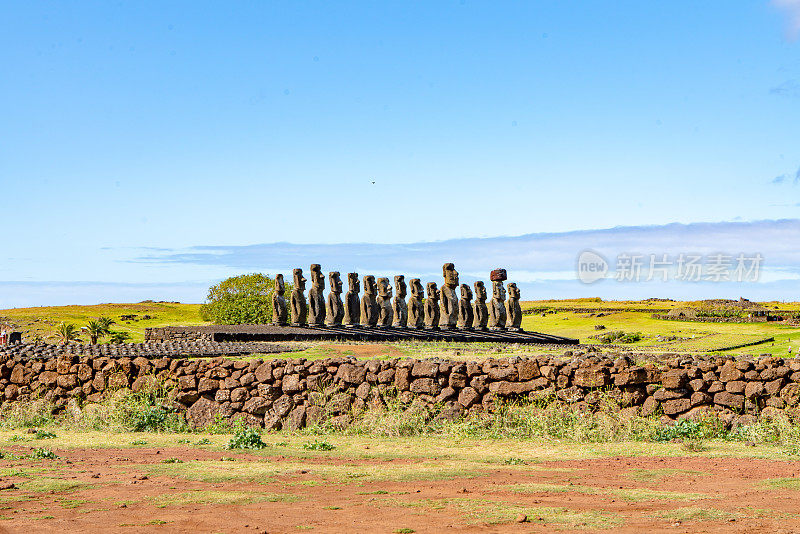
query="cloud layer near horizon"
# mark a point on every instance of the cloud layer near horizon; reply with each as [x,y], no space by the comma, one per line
[543,264]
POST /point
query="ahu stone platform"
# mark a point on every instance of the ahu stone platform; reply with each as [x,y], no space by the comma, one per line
[256,333]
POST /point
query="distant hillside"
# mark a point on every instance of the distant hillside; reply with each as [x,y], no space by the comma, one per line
[131,318]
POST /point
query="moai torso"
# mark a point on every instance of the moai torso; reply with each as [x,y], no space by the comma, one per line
[432,307]
[384,302]
[280,315]
[416,310]
[335,309]
[352,304]
[399,307]
[513,309]
[465,314]
[299,305]
[481,318]
[497,311]
[448,306]
[369,308]
[316,296]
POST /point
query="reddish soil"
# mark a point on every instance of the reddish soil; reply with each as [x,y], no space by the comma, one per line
[734,485]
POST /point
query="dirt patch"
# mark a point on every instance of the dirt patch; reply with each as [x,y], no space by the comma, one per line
[122,490]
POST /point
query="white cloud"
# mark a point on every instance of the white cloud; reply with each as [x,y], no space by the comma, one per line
[792,10]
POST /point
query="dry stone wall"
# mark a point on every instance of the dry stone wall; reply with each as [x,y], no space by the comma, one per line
[291,393]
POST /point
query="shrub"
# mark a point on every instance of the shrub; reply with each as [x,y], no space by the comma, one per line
[318,446]
[247,438]
[244,299]
[43,454]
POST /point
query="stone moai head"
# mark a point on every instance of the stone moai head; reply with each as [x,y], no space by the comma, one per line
[335,282]
[299,280]
[416,288]
[498,291]
[433,291]
[400,286]
[513,291]
[280,286]
[353,283]
[466,292]
[317,278]
[450,275]
[384,289]
[369,285]
[480,291]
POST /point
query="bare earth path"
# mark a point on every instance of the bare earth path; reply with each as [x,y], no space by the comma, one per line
[359,487]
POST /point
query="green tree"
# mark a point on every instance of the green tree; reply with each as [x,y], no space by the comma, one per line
[243,299]
[106,323]
[66,333]
[94,330]
[119,336]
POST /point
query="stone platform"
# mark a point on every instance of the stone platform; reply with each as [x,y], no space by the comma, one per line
[253,333]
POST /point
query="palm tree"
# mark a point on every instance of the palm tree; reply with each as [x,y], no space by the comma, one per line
[94,330]
[106,323]
[66,333]
[119,337]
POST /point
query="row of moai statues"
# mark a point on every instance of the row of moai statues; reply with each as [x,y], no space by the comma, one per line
[376,308]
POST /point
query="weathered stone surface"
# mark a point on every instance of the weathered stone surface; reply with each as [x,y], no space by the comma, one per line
[425,385]
[202,413]
[674,379]
[256,405]
[291,384]
[512,388]
[676,406]
[297,418]
[631,376]
[729,372]
[282,406]
[187,382]
[352,374]
[425,369]
[207,385]
[467,397]
[589,377]
[753,389]
[735,386]
[503,373]
[731,400]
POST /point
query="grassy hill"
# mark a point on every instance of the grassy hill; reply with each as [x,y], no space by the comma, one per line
[43,320]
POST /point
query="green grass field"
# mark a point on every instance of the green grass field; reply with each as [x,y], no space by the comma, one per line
[561,320]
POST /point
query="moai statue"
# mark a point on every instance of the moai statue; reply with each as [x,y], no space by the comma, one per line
[299,305]
[352,304]
[465,314]
[280,316]
[432,307]
[384,302]
[416,308]
[514,312]
[481,318]
[449,298]
[369,307]
[497,311]
[335,309]
[316,297]
[399,307]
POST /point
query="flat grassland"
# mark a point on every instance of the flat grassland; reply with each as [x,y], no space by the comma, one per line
[155,482]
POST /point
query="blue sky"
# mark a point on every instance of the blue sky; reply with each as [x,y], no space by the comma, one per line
[132,133]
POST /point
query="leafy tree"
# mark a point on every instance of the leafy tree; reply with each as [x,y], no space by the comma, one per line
[94,330]
[106,323]
[119,336]
[66,333]
[243,299]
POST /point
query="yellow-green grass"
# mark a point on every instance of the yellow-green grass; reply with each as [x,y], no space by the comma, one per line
[646,475]
[696,514]
[44,320]
[627,494]
[493,452]
[493,512]
[783,483]
[220,497]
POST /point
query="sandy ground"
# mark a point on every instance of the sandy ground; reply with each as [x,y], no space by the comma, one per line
[135,490]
